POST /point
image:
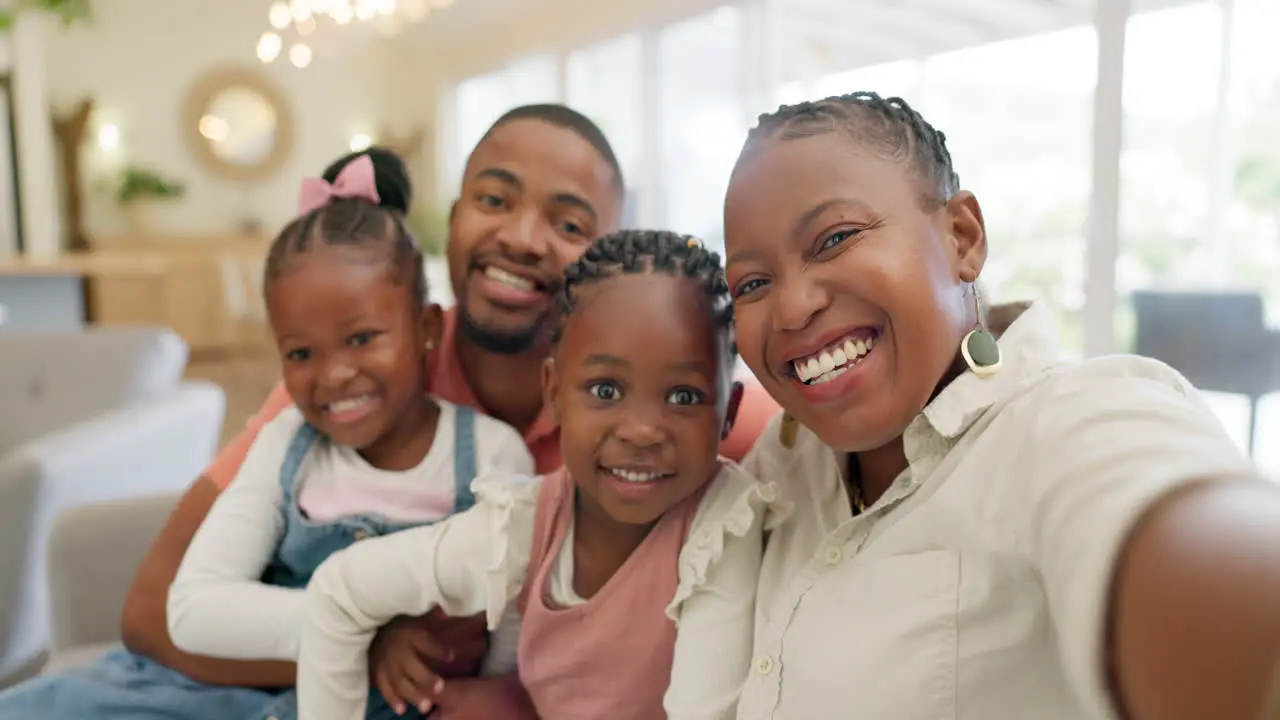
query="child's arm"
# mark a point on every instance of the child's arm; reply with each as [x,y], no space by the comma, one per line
[472,562]
[715,619]
[218,605]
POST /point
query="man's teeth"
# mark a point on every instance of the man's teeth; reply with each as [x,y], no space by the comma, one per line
[832,362]
[355,403]
[634,476]
[508,279]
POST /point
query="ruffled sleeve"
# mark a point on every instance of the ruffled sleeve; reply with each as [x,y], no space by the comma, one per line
[511,501]
[736,508]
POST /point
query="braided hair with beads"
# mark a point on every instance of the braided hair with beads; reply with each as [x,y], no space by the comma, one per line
[634,252]
[354,222]
[888,126]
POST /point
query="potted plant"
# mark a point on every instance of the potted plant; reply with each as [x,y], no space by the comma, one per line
[68,12]
[430,227]
[139,191]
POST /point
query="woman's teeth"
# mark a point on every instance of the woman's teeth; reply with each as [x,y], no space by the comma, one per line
[509,279]
[833,361]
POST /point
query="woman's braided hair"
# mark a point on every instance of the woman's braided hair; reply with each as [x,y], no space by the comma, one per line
[636,252]
[890,127]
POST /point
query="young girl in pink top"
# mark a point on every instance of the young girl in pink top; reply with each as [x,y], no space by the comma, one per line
[634,568]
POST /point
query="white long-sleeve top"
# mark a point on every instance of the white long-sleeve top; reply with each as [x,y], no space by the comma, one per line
[219,606]
[477,561]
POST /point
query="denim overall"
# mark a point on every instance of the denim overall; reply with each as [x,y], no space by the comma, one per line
[123,685]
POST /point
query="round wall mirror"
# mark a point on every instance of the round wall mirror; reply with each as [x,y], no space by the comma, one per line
[239,125]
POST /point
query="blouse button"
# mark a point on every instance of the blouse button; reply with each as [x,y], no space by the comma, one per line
[765,665]
[834,556]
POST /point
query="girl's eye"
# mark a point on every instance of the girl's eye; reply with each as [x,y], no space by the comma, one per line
[360,339]
[606,391]
[748,286]
[835,238]
[572,228]
[684,396]
[298,355]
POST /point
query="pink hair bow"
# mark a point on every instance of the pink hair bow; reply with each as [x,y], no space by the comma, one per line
[355,181]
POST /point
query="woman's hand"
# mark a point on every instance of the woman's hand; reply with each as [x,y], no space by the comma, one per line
[409,656]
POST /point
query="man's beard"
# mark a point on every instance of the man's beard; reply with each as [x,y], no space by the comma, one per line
[500,343]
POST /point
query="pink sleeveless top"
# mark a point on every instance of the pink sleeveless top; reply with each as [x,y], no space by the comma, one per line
[610,657]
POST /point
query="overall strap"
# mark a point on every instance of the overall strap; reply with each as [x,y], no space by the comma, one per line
[464,457]
[299,446]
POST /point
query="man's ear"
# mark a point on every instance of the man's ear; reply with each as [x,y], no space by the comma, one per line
[731,409]
[551,388]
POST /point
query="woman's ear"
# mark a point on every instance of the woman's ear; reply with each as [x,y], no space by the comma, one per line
[551,388]
[968,233]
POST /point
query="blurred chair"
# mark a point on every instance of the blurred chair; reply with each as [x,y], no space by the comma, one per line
[1219,341]
[86,417]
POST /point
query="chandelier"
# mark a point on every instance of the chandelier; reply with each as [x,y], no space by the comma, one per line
[303,24]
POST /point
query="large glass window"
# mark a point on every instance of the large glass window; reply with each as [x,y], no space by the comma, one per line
[480,100]
[1018,120]
[701,118]
[605,82]
[1166,192]
[1017,114]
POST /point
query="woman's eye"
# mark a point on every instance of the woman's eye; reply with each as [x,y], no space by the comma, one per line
[604,391]
[836,238]
[491,201]
[684,396]
[748,286]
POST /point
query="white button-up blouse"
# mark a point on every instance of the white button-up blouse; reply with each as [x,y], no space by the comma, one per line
[977,586]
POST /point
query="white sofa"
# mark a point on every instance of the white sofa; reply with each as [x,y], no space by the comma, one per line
[86,417]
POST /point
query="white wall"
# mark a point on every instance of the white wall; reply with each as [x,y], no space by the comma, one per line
[138,59]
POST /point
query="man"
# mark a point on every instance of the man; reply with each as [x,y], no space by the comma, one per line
[538,188]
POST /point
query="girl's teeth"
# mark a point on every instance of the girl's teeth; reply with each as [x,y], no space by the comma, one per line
[348,405]
[635,477]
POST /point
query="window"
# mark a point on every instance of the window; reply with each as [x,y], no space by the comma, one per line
[701,118]
[480,100]
[604,82]
[1017,116]
[1018,119]
[1166,165]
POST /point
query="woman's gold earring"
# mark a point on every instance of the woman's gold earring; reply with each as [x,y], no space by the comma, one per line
[979,348]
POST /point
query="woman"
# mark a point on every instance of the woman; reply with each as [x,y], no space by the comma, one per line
[978,530]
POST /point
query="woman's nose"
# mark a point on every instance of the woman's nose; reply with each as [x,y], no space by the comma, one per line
[796,301]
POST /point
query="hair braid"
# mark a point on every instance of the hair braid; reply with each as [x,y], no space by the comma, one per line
[354,223]
[889,126]
[636,252]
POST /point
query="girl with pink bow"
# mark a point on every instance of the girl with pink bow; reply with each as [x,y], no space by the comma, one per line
[364,452]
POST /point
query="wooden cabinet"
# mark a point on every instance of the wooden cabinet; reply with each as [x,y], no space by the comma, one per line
[200,287]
